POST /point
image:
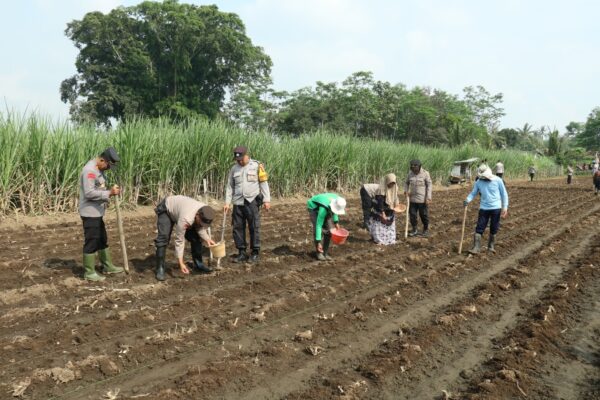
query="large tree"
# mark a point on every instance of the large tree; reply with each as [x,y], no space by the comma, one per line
[159,59]
[589,138]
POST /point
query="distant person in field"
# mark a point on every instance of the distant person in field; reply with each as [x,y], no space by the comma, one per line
[324,210]
[382,221]
[499,169]
[191,220]
[531,171]
[569,174]
[596,178]
[247,188]
[418,186]
[94,196]
[493,204]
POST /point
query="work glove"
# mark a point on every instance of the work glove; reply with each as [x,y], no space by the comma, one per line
[465,203]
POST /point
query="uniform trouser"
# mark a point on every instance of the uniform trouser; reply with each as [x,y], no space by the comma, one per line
[164,225]
[94,233]
[326,228]
[569,178]
[248,213]
[367,204]
[486,216]
[531,177]
[423,211]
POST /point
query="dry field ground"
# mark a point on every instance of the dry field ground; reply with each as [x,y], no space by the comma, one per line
[410,321]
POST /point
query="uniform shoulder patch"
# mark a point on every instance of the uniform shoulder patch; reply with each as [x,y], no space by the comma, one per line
[91,175]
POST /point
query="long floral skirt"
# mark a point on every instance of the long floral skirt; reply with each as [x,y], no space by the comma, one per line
[381,233]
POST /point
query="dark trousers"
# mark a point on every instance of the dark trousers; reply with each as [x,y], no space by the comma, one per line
[94,233]
[164,225]
[491,216]
[367,204]
[531,177]
[500,175]
[569,178]
[248,213]
[423,211]
[326,227]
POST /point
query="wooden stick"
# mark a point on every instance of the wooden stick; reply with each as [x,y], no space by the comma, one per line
[462,234]
[407,209]
[121,234]
[222,235]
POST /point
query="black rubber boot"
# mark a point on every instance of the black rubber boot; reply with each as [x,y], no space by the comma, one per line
[476,244]
[254,257]
[326,243]
[160,263]
[491,242]
[241,257]
[197,264]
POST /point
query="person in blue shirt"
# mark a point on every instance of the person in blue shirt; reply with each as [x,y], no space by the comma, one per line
[492,205]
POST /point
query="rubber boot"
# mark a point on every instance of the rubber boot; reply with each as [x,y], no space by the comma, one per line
[89,264]
[160,263]
[491,242]
[107,266]
[476,244]
[413,232]
[241,257]
[199,266]
[326,243]
[425,233]
[254,257]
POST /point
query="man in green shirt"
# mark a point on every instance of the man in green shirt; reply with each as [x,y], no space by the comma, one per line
[323,208]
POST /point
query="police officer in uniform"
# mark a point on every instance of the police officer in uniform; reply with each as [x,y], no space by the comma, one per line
[248,189]
[191,220]
[93,200]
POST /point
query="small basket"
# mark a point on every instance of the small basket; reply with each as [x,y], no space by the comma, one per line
[339,236]
[217,250]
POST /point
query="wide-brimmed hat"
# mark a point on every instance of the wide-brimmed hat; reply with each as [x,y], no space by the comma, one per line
[485,173]
[338,205]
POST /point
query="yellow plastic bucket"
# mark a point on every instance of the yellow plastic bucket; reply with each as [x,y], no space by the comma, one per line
[217,250]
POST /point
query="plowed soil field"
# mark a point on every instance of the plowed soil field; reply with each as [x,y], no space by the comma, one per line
[413,320]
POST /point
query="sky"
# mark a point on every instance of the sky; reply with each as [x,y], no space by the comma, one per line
[544,56]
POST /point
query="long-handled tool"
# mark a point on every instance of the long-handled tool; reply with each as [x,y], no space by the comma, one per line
[407,207]
[222,235]
[121,233]
[462,234]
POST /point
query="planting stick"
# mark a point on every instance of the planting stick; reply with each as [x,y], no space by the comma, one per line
[222,235]
[407,208]
[462,234]
[121,233]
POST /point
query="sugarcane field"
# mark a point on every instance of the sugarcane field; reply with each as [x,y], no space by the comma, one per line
[299,200]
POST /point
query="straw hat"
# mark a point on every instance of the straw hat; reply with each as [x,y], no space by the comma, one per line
[338,205]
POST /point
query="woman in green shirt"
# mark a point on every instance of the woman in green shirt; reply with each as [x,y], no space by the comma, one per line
[324,210]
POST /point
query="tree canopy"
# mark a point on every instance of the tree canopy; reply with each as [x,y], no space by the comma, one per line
[159,59]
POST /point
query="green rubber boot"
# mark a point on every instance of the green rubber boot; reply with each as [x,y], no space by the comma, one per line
[89,264]
[476,244]
[107,266]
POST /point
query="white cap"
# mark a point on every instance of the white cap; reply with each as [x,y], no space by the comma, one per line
[338,205]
